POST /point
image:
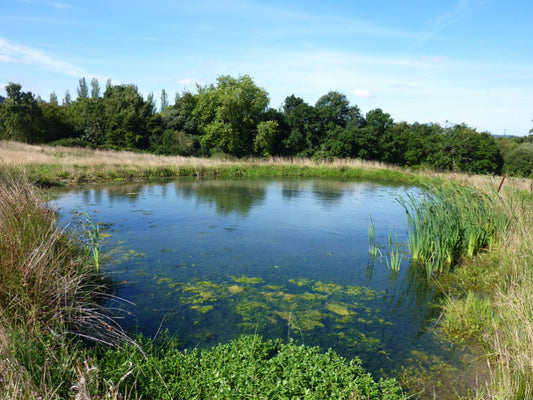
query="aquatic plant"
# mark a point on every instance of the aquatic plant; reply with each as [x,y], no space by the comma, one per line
[372,248]
[93,245]
[446,222]
[394,260]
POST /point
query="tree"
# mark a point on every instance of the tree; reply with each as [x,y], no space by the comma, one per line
[519,161]
[227,114]
[126,117]
[67,100]
[334,110]
[53,98]
[95,89]
[464,149]
[83,91]
[266,137]
[302,122]
[55,122]
[164,100]
[20,116]
[86,113]
[371,137]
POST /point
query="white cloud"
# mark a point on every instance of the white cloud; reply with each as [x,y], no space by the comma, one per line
[362,93]
[19,54]
[187,82]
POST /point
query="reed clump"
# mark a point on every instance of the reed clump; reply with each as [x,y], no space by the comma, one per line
[50,297]
[450,221]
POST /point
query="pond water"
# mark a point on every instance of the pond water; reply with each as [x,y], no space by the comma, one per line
[212,259]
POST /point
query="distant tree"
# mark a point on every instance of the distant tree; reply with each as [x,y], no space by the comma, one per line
[301,122]
[67,100]
[55,124]
[334,110]
[86,114]
[266,137]
[95,89]
[464,149]
[227,115]
[164,100]
[372,136]
[126,116]
[151,103]
[20,117]
[53,98]
[519,161]
[83,90]
[422,140]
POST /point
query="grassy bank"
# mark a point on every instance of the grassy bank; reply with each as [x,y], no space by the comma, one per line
[491,304]
[49,166]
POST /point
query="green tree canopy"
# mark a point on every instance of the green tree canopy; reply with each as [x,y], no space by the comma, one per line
[227,114]
[20,116]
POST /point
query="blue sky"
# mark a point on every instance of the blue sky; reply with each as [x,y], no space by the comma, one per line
[460,61]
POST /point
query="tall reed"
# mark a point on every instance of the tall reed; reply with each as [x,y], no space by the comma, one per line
[450,221]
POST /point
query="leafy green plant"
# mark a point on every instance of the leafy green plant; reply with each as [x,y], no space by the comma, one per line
[247,367]
[394,261]
[93,245]
[447,222]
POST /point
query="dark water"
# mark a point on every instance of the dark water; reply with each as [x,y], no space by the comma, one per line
[212,259]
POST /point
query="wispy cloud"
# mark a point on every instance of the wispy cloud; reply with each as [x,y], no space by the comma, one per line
[59,5]
[461,10]
[19,54]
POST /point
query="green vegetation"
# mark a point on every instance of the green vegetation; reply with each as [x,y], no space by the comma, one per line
[49,299]
[451,221]
[50,291]
[56,341]
[232,118]
[247,367]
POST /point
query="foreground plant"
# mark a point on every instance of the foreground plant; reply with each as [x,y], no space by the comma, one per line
[50,298]
[247,367]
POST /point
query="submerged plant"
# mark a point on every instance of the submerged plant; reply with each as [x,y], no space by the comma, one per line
[93,236]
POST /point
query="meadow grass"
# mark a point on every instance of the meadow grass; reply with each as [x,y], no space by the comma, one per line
[47,166]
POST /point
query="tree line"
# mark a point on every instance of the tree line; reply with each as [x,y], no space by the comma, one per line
[233,117]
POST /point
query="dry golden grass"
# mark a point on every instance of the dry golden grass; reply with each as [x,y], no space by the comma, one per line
[19,154]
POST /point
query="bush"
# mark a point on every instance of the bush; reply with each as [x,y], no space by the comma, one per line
[519,162]
[70,142]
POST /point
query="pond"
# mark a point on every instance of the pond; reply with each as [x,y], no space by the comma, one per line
[208,260]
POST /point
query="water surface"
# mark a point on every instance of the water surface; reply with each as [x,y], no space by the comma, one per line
[212,259]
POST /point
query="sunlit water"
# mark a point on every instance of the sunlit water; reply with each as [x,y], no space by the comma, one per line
[208,260]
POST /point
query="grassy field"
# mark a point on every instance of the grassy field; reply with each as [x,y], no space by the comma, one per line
[489,292]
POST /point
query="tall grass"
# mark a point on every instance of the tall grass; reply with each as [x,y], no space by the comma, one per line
[450,221]
[50,297]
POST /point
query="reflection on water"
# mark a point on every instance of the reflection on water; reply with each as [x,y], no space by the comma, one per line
[212,259]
